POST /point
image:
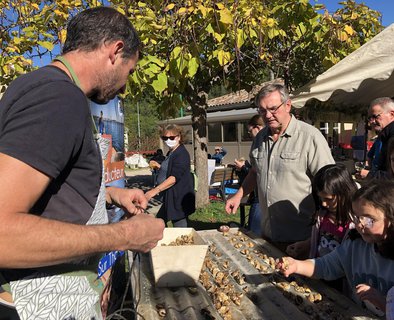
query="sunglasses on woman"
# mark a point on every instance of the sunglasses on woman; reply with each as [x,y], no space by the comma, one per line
[169,137]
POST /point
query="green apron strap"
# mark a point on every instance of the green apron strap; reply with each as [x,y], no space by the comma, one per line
[77,82]
[70,69]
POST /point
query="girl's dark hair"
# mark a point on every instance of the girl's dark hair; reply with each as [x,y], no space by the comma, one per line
[335,179]
[380,194]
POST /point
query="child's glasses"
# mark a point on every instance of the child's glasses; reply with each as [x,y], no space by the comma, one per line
[366,222]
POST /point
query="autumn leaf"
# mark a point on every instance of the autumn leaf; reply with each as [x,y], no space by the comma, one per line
[225,16]
[169,7]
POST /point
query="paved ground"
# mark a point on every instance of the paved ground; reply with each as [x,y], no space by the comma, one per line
[142,179]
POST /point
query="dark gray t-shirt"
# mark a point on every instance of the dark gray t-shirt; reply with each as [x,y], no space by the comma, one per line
[45,121]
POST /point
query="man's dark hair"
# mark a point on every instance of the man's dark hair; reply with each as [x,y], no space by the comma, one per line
[89,29]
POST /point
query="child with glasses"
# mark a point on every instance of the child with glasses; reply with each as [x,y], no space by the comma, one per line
[334,186]
[366,256]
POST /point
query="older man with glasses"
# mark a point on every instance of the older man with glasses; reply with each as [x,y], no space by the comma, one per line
[381,113]
[285,155]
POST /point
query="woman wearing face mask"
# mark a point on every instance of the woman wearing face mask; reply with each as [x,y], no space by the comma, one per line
[174,181]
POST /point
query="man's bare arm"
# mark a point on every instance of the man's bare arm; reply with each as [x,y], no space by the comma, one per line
[27,240]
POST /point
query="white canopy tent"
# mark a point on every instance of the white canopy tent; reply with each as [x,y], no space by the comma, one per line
[362,76]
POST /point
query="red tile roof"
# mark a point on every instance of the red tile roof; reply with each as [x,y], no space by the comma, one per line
[239,96]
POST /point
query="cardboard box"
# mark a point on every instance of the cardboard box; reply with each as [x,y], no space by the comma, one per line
[175,266]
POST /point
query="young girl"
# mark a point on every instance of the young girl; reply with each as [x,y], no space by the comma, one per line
[334,186]
[366,256]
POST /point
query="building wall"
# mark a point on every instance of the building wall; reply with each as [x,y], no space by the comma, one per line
[232,134]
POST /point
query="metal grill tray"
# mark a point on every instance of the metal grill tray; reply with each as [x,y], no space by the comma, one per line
[266,294]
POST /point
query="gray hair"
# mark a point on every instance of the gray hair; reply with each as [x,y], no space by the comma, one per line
[89,29]
[386,103]
[268,89]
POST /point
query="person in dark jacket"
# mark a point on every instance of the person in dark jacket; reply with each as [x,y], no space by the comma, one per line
[159,157]
[255,124]
[381,113]
[177,188]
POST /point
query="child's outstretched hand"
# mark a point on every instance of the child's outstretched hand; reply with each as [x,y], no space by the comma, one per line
[366,293]
[286,266]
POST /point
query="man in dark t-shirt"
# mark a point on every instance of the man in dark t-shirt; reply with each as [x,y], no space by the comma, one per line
[52,196]
[55,137]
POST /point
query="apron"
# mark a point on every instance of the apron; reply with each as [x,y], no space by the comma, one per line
[65,291]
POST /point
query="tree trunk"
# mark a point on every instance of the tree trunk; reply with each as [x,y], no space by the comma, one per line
[198,104]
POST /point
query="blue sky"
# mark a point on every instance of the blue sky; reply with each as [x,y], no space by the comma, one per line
[386,8]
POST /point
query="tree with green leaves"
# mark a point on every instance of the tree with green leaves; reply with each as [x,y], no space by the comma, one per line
[189,46]
[144,111]
[32,29]
[192,45]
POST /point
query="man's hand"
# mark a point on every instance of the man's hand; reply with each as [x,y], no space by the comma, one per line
[232,204]
[132,201]
[142,232]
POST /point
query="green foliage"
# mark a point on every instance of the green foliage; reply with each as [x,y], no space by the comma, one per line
[194,44]
[31,28]
[202,43]
[190,46]
[148,123]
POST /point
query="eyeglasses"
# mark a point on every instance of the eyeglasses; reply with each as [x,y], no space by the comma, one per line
[374,117]
[366,222]
[164,138]
[272,110]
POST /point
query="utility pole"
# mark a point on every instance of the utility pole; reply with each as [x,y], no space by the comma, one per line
[138,127]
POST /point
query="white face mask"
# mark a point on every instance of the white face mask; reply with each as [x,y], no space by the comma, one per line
[171,143]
